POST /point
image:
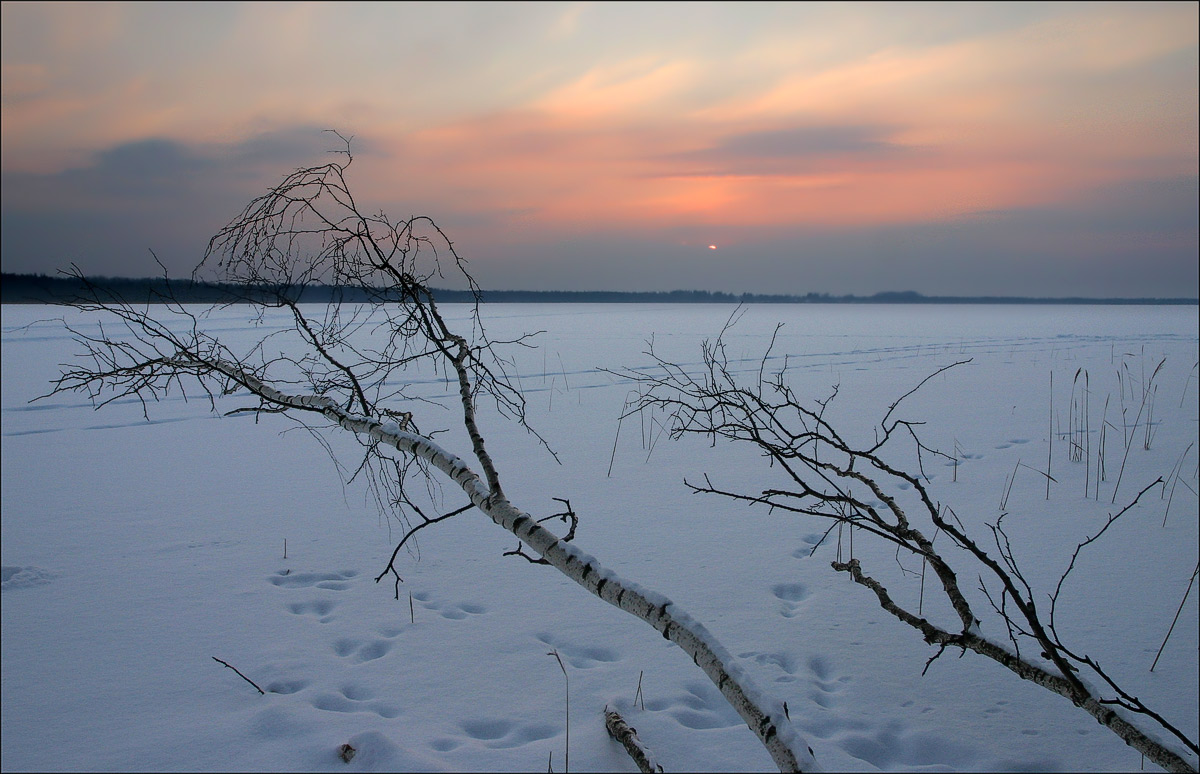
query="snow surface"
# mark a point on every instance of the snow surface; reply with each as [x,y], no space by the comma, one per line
[135,551]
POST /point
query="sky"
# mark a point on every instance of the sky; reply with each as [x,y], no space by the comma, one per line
[1035,149]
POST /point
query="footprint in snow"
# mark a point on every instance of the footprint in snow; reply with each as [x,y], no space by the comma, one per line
[500,733]
[790,595]
[784,662]
[361,650]
[334,581]
[287,686]
[819,670]
[320,607]
[579,656]
[896,746]
[808,544]
[824,681]
[1000,704]
[819,667]
[455,611]
[701,707]
[355,698]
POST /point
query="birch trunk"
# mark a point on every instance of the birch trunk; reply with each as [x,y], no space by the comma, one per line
[1104,713]
[763,715]
[627,735]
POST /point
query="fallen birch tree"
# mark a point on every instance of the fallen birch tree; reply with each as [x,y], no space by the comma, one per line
[819,472]
[626,734]
[347,367]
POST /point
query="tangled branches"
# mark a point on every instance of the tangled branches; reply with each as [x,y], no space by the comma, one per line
[853,486]
[354,366]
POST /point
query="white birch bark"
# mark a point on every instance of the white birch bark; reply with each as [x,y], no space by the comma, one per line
[1106,714]
[764,716]
[626,734]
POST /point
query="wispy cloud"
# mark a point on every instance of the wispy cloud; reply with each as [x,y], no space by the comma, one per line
[527,126]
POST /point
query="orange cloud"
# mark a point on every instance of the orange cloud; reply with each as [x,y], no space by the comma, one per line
[846,118]
[561,174]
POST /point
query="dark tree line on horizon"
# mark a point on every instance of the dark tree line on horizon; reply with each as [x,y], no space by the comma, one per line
[44,289]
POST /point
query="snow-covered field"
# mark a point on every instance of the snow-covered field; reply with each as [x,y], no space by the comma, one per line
[134,552]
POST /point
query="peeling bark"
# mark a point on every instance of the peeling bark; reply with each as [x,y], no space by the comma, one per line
[626,734]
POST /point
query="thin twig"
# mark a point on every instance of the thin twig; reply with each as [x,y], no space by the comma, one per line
[239,674]
[1176,619]
[567,686]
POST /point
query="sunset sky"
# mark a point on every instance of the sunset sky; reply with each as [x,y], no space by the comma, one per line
[1007,149]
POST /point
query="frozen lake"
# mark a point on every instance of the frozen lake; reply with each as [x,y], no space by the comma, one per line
[135,551]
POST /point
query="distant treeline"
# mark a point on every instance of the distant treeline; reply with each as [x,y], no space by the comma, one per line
[42,289]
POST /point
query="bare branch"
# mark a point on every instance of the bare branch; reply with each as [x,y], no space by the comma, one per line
[828,476]
[352,367]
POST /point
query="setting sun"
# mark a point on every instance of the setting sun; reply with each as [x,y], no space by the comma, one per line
[1023,148]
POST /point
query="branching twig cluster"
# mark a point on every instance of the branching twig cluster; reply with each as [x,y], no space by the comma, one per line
[305,231]
[352,366]
[855,486]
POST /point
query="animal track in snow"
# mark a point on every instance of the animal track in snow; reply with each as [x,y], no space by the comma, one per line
[790,592]
[320,608]
[895,746]
[819,667]
[355,698]
[455,611]
[824,683]
[579,656]
[808,544]
[287,686]
[1000,703]
[362,650]
[357,692]
[334,581]
[500,733]
[784,662]
[702,707]
[789,596]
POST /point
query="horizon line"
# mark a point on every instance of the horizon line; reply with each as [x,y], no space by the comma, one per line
[678,295]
